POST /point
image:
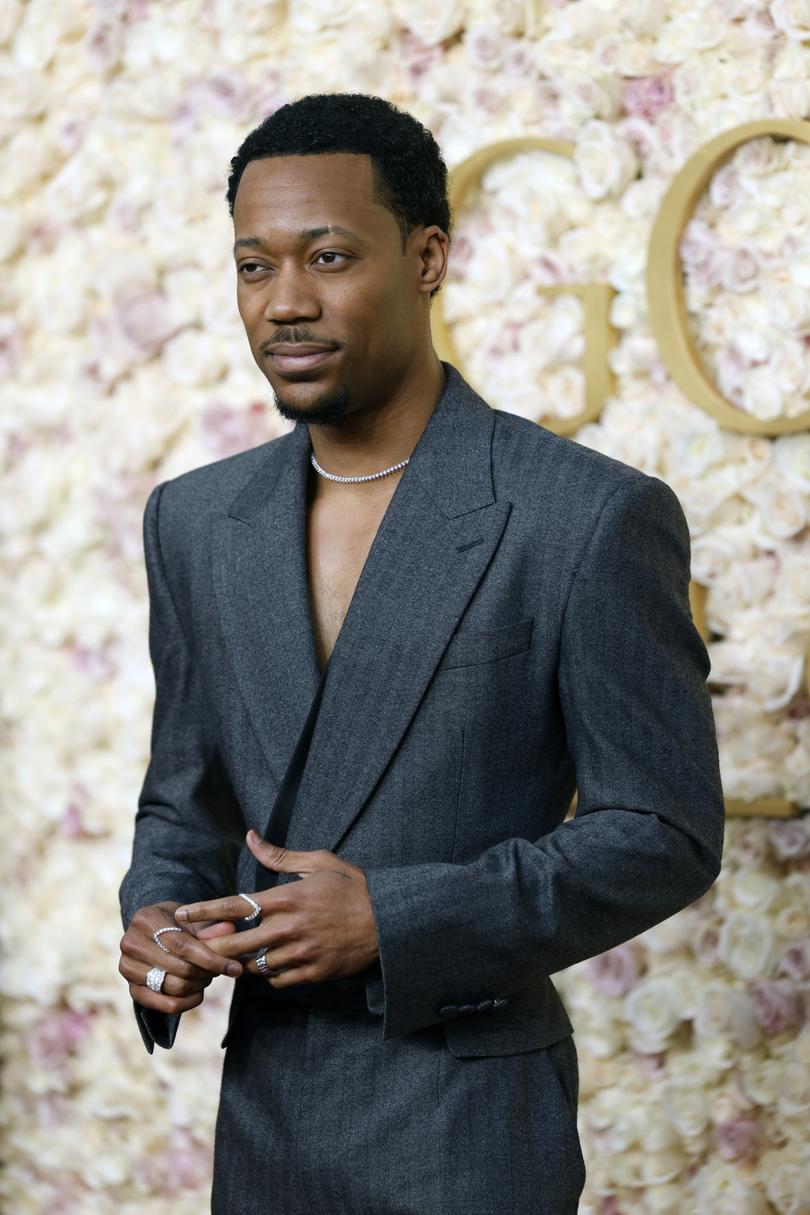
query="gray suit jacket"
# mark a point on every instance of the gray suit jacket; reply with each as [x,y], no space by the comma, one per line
[521,628]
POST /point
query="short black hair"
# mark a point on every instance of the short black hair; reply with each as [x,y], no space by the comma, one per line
[409,174]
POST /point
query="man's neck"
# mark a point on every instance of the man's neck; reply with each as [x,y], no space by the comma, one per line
[367,442]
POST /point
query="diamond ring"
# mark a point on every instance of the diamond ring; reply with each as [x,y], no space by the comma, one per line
[154,978]
[257,911]
[156,935]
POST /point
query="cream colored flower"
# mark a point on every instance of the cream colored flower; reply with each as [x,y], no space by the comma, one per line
[604,161]
[746,944]
[654,1010]
[793,17]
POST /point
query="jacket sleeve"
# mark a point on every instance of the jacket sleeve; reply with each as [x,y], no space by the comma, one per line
[647,836]
[188,825]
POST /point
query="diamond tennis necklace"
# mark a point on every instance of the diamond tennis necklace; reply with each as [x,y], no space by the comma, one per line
[367,477]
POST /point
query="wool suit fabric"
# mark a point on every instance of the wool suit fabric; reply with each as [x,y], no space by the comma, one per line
[521,628]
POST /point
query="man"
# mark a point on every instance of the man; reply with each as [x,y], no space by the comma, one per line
[391,643]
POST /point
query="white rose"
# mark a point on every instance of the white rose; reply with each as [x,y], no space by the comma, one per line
[566,390]
[41,30]
[494,270]
[752,891]
[688,1109]
[667,1199]
[660,1167]
[794,1099]
[654,1011]
[792,17]
[792,919]
[724,1012]
[194,357]
[432,23]
[762,396]
[791,456]
[789,307]
[762,1079]
[790,366]
[643,16]
[693,450]
[361,21]
[789,99]
[782,512]
[746,944]
[721,1190]
[758,157]
[605,162]
[788,1185]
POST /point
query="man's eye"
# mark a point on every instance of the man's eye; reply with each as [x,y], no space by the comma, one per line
[324,253]
[331,253]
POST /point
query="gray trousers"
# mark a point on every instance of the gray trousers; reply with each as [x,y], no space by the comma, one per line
[319,1115]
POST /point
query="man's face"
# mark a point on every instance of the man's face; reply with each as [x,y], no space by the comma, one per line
[356,294]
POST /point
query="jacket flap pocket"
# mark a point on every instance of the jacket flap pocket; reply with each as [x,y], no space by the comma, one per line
[475,646]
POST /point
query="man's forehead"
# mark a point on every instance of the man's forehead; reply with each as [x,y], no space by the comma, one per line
[296,199]
[302,235]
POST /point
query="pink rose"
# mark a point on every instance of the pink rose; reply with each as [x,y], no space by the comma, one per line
[705,943]
[790,839]
[56,1035]
[145,319]
[795,962]
[11,346]
[739,269]
[724,187]
[647,96]
[613,973]
[776,1005]
[739,1138]
[418,56]
[485,47]
[227,430]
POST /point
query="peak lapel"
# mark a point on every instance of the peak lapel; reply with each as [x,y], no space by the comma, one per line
[262,588]
[435,541]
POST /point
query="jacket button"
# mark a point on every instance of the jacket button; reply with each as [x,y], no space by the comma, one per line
[466,1008]
[448,1010]
[500,1002]
[484,1005]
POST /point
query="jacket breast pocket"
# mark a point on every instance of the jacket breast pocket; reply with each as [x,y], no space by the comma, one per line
[474,646]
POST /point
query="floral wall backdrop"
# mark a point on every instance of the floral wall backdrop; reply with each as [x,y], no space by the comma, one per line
[124,362]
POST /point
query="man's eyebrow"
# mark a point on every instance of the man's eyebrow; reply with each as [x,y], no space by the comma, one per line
[256,242]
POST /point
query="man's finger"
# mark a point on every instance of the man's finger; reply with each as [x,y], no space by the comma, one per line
[285,860]
[209,930]
[191,949]
[252,939]
[232,907]
[162,1003]
[182,954]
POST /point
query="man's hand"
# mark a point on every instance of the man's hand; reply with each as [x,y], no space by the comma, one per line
[319,928]
[190,966]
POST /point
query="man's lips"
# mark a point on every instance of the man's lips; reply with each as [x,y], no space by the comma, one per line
[308,357]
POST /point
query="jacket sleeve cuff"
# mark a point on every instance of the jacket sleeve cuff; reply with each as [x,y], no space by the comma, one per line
[425,972]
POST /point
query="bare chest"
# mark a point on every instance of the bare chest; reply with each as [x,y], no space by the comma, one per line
[338,543]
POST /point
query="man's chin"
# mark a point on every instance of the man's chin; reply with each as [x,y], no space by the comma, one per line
[328,409]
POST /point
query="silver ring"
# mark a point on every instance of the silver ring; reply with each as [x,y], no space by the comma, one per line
[257,911]
[261,963]
[154,979]
[155,936]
